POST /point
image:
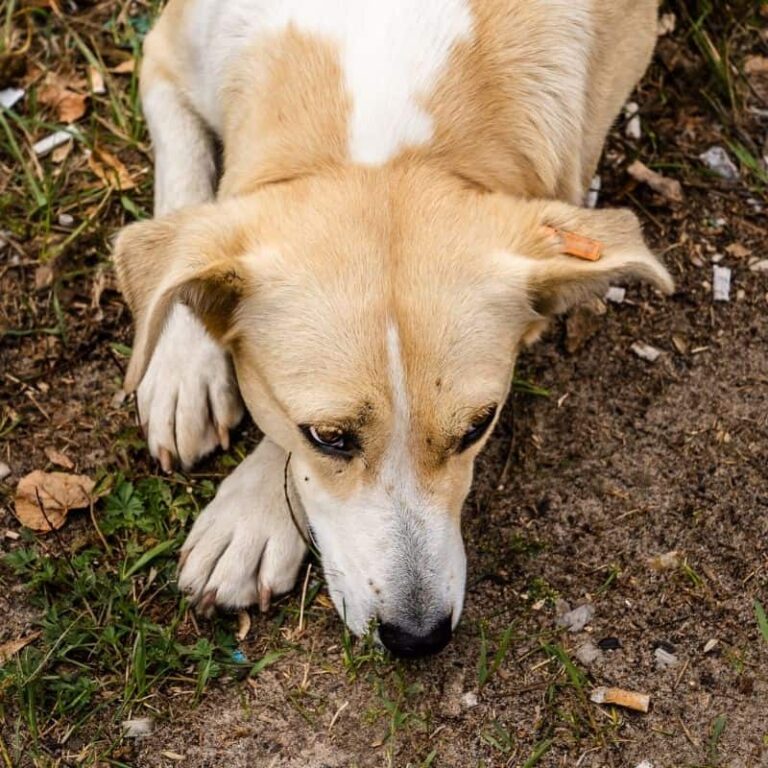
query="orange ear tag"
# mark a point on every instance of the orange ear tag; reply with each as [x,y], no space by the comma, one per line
[578,246]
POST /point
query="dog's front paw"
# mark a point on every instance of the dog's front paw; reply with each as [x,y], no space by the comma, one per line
[245,546]
[188,399]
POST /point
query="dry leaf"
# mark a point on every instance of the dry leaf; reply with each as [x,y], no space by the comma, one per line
[69,106]
[58,458]
[669,188]
[124,67]
[61,153]
[110,170]
[43,277]
[756,70]
[12,647]
[43,499]
[738,250]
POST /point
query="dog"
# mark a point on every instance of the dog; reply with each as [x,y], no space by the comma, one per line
[364,210]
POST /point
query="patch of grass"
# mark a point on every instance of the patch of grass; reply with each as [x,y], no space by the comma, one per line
[113,627]
[762,619]
[718,726]
[487,668]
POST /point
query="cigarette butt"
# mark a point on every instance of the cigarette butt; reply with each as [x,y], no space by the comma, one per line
[639,702]
[578,246]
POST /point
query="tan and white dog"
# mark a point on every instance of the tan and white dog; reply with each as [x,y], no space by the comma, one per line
[387,228]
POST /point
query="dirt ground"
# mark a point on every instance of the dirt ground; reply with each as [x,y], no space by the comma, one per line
[575,496]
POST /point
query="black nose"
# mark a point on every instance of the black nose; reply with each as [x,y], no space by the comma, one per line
[403,643]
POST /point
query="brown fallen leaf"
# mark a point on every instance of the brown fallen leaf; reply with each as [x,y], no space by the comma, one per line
[12,647]
[58,458]
[756,70]
[44,275]
[69,105]
[669,188]
[738,250]
[43,499]
[110,170]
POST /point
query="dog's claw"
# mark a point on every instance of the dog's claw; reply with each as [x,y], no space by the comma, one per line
[182,559]
[166,460]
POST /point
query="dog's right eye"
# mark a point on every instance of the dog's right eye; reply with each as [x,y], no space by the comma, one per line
[333,441]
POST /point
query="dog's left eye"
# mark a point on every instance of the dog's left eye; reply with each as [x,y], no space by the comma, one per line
[333,441]
[478,429]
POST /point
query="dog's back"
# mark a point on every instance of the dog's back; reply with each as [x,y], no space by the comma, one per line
[514,95]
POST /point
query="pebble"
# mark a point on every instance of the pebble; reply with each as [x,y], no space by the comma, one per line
[719,162]
[578,618]
[5,470]
[721,281]
[633,129]
[664,659]
[759,266]
[616,294]
[66,219]
[645,764]
[646,351]
[469,700]
[587,653]
[710,645]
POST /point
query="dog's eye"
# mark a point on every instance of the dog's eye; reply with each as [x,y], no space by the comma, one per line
[478,429]
[333,441]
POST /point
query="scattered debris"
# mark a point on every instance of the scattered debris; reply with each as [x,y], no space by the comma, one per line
[469,700]
[9,97]
[609,644]
[741,294]
[646,351]
[719,162]
[577,619]
[616,294]
[671,189]
[126,67]
[58,458]
[721,283]
[593,193]
[243,625]
[667,561]
[639,702]
[645,764]
[667,24]
[716,258]
[582,324]
[710,645]
[110,170]
[12,647]
[759,266]
[633,129]
[587,653]
[665,659]
[5,470]
[43,277]
[49,143]
[12,535]
[66,219]
[43,499]
[756,70]
[138,728]
[738,251]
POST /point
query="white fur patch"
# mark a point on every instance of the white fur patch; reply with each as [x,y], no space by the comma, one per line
[392,53]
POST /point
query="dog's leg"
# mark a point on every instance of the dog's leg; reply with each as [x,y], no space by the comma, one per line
[188,399]
[245,547]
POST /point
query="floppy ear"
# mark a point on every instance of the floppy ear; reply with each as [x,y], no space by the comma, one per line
[574,253]
[191,256]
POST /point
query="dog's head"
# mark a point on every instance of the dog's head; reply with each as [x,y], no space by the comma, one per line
[374,320]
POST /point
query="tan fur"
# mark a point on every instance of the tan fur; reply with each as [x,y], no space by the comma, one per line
[307,262]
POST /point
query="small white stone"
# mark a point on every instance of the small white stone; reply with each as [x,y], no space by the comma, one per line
[633,129]
[716,258]
[587,653]
[710,645]
[664,659]
[667,24]
[578,618]
[759,266]
[469,700]
[616,294]
[66,219]
[721,282]
[741,294]
[718,161]
[646,351]
[5,470]
[646,763]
